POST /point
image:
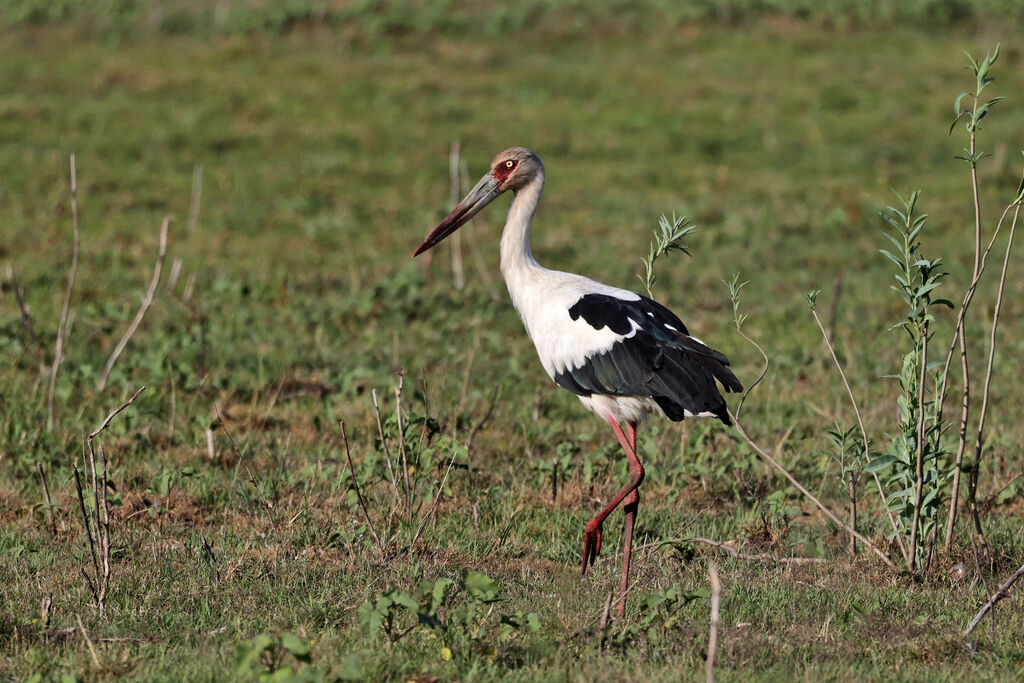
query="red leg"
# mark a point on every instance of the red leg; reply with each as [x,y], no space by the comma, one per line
[630,504]
[592,534]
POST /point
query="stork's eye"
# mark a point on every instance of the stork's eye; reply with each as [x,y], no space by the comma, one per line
[510,164]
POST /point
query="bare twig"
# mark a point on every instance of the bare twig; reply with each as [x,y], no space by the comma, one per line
[62,327]
[958,336]
[359,495]
[605,616]
[384,445]
[764,370]
[26,317]
[437,497]
[46,498]
[454,159]
[864,438]
[147,301]
[716,600]
[264,503]
[1000,593]
[114,413]
[810,496]
[483,420]
[401,443]
[980,435]
[97,520]
[196,198]
[88,641]
[730,550]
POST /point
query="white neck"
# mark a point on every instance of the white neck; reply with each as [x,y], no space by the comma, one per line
[517,262]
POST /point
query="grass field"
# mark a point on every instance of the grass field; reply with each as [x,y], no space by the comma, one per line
[287,297]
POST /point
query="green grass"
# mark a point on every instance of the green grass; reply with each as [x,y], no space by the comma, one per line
[325,161]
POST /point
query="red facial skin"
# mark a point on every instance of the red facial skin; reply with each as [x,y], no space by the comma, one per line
[503,171]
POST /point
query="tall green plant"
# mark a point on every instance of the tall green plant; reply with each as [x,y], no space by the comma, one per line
[914,459]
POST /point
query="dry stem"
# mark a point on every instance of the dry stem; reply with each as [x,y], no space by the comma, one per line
[264,503]
[716,600]
[958,336]
[810,496]
[996,597]
[359,495]
[62,327]
[147,301]
[867,451]
[26,318]
[384,445]
[979,438]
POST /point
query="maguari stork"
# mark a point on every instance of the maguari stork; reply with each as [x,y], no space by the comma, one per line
[624,355]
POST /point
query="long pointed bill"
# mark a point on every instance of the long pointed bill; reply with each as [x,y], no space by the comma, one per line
[479,197]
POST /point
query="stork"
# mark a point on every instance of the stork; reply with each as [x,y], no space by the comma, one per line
[624,355]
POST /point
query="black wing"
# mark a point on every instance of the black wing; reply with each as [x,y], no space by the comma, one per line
[660,359]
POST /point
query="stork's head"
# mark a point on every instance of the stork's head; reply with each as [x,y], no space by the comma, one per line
[510,170]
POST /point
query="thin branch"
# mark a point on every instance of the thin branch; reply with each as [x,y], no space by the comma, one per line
[359,495]
[147,301]
[454,158]
[384,444]
[716,600]
[483,420]
[863,433]
[764,370]
[437,498]
[114,413]
[264,503]
[810,496]
[26,318]
[401,443]
[730,550]
[46,498]
[88,641]
[919,460]
[62,327]
[195,198]
[958,336]
[1000,593]
[980,436]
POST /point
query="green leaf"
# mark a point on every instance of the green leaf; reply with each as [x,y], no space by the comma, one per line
[249,653]
[296,646]
[880,463]
[481,587]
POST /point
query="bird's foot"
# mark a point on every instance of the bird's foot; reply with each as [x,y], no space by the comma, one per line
[591,545]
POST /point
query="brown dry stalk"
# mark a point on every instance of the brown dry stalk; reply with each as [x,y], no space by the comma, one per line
[1000,593]
[46,498]
[264,503]
[26,318]
[195,198]
[437,498]
[359,495]
[147,301]
[979,438]
[384,445]
[867,452]
[454,161]
[716,601]
[62,327]
[810,496]
[958,337]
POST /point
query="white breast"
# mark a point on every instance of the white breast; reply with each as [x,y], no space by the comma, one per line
[543,299]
